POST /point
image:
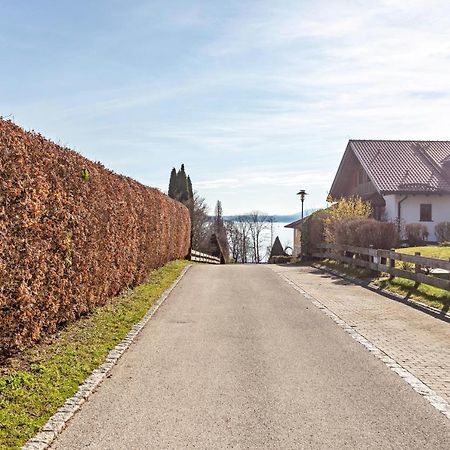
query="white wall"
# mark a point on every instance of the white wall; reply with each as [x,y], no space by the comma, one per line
[391,207]
[410,209]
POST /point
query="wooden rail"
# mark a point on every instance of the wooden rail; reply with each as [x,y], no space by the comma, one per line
[384,261]
[204,258]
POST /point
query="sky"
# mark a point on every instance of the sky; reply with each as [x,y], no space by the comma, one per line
[257,98]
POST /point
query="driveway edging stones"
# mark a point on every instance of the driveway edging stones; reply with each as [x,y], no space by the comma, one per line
[58,421]
[431,396]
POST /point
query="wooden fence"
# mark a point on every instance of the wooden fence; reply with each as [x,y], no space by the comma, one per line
[385,261]
[204,258]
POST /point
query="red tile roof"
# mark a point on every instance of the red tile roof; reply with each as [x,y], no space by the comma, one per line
[400,166]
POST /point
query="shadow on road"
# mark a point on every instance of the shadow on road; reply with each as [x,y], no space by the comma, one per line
[343,280]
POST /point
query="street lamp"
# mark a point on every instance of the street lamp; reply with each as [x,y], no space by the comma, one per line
[302,194]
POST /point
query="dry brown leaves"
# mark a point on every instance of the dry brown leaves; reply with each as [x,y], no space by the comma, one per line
[69,241]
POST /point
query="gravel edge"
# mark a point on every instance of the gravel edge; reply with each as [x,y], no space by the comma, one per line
[431,396]
[58,421]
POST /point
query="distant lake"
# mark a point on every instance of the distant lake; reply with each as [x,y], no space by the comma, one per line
[286,235]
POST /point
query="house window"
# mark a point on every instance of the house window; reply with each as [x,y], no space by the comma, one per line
[425,212]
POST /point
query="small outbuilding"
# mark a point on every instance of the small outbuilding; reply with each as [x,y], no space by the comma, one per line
[277,250]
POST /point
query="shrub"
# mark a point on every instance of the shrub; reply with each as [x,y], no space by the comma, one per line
[416,234]
[366,232]
[72,235]
[281,259]
[313,231]
[442,231]
[344,209]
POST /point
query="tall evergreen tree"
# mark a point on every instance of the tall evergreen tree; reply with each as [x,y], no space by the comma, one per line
[190,191]
[218,220]
[173,184]
[182,185]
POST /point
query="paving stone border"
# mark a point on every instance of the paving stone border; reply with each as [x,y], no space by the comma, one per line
[59,420]
[392,295]
[431,396]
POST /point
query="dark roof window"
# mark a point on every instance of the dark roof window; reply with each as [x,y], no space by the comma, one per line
[426,212]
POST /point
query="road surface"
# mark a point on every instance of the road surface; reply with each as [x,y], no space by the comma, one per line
[236,358]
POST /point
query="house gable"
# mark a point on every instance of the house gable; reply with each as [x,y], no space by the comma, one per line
[352,178]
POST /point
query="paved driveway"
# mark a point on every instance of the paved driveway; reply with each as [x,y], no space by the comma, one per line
[236,358]
[417,341]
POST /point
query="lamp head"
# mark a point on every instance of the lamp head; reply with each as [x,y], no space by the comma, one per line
[302,194]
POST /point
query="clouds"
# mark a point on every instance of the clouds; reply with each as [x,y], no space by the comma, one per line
[268,178]
[257,98]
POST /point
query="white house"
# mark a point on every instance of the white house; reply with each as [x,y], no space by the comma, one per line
[406,181]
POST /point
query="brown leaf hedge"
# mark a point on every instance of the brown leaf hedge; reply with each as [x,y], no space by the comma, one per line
[72,235]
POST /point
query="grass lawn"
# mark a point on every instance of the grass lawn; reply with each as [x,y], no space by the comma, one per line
[429,295]
[33,385]
[432,251]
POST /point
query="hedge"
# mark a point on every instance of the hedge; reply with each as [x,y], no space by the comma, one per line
[72,235]
[416,234]
[366,232]
[442,230]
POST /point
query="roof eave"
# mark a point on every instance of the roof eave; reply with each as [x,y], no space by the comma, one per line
[294,224]
[338,173]
[415,192]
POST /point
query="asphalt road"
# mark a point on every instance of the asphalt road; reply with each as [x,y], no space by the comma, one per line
[236,358]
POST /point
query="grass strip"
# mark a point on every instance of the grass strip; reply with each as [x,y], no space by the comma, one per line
[430,251]
[428,295]
[34,384]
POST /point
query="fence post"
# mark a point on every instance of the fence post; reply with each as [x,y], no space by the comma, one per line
[391,264]
[371,261]
[417,269]
[448,288]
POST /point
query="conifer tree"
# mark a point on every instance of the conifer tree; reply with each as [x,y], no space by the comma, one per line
[190,191]
[182,185]
[173,184]
[218,220]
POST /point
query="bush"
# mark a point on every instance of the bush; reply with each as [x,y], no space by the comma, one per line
[281,259]
[344,209]
[442,231]
[72,235]
[366,232]
[313,231]
[416,234]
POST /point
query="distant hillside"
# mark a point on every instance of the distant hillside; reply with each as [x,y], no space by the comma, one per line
[280,218]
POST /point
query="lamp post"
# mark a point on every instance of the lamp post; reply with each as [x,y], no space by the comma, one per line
[302,194]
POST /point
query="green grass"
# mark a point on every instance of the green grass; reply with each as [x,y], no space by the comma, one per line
[33,385]
[429,295]
[432,251]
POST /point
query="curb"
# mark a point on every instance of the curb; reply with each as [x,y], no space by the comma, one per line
[431,396]
[392,295]
[58,421]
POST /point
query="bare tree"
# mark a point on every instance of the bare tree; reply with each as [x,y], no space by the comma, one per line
[234,240]
[200,222]
[258,223]
[244,227]
[245,236]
